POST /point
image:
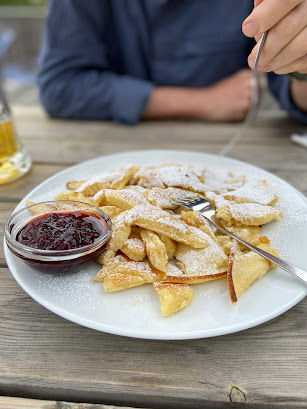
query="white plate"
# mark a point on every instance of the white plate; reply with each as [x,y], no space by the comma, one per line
[136,312]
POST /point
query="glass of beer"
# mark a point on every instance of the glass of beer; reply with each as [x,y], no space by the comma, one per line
[14,159]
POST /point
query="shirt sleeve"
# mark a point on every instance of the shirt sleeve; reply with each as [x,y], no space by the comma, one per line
[75,80]
[280,87]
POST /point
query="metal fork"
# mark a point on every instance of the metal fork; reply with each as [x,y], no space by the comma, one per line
[206,209]
[255,84]
[255,101]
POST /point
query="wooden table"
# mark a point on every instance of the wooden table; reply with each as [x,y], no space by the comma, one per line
[51,360]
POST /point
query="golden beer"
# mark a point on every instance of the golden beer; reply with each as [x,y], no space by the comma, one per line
[14,160]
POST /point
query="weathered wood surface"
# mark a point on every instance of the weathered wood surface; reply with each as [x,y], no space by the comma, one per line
[43,356]
[20,403]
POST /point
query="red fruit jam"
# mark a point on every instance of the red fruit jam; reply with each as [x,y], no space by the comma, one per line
[62,234]
[61,231]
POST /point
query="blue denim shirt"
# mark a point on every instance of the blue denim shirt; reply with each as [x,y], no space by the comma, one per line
[101,58]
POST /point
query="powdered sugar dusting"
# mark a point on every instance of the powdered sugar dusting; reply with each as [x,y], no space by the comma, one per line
[172,176]
[140,266]
[155,213]
[208,261]
[135,243]
[220,180]
[74,287]
[112,176]
[174,271]
[254,190]
[166,198]
[244,212]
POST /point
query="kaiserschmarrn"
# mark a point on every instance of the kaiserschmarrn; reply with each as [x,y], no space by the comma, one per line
[159,243]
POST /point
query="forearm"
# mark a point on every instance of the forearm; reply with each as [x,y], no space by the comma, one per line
[93,94]
[299,94]
[177,102]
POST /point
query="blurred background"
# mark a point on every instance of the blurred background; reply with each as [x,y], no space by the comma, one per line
[21,22]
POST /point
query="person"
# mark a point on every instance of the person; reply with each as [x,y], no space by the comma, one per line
[141,59]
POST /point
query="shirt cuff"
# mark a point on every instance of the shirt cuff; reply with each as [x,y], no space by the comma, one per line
[129,99]
[286,101]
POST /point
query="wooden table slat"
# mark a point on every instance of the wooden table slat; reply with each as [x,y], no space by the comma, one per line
[20,403]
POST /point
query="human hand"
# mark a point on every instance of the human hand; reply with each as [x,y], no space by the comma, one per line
[285,48]
[228,99]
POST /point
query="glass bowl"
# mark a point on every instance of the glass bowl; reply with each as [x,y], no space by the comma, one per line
[31,221]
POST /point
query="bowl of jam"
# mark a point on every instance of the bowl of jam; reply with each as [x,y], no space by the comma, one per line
[58,236]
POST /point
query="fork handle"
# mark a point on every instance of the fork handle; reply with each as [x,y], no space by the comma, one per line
[290,268]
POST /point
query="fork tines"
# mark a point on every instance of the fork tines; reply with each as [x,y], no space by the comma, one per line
[190,200]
